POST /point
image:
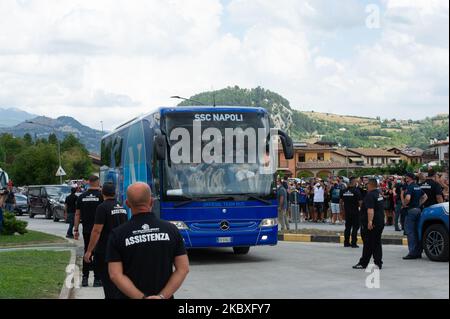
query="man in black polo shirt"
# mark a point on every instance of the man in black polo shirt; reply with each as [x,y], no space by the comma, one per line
[432,189]
[86,207]
[142,252]
[352,200]
[372,226]
[70,209]
[109,215]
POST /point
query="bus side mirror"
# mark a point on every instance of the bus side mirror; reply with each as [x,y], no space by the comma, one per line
[288,145]
[160,146]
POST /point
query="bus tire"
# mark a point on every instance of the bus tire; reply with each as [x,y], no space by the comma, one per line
[241,250]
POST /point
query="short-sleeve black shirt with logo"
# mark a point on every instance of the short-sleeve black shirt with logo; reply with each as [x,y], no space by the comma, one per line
[71,202]
[351,198]
[87,204]
[432,189]
[147,247]
[111,215]
[373,200]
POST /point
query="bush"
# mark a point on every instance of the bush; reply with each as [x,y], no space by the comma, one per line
[12,225]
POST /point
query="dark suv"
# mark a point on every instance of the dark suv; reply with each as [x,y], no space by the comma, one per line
[42,199]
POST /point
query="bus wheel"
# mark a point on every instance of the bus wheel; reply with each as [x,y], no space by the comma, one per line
[241,250]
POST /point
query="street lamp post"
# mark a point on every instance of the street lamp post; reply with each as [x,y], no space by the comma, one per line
[57,139]
[346,159]
[186,99]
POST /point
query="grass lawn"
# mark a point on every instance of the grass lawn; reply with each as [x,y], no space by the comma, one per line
[32,274]
[30,238]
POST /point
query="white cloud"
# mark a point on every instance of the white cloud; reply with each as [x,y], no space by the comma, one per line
[98,61]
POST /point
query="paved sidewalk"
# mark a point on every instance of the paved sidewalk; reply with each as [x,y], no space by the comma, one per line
[388,230]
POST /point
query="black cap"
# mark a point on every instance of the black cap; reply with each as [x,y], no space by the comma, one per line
[109,189]
[410,175]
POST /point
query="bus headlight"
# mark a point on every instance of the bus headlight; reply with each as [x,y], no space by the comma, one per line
[269,222]
[180,225]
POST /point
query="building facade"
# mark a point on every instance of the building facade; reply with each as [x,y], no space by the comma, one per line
[323,160]
[410,155]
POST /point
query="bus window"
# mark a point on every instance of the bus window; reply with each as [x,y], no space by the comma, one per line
[118,151]
[155,172]
[106,151]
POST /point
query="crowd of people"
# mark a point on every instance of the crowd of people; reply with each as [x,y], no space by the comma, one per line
[367,204]
[322,201]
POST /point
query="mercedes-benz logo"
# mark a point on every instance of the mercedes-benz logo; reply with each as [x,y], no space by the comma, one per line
[224,225]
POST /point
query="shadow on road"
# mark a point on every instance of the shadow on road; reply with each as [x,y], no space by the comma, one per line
[211,256]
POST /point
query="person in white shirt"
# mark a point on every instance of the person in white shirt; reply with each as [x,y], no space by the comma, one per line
[319,199]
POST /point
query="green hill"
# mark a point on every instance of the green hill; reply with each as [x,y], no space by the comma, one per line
[346,130]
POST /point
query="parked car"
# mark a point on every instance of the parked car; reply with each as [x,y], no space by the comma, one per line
[434,229]
[21,204]
[42,199]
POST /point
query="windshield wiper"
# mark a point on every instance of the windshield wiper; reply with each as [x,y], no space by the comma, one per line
[259,199]
[190,200]
[218,199]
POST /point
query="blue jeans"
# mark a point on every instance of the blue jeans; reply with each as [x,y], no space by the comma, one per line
[70,219]
[9,207]
[411,225]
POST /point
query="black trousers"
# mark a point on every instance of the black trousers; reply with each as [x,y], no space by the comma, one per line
[352,223]
[87,267]
[372,246]
[110,290]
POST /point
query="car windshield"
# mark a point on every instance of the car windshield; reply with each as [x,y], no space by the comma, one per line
[21,198]
[57,191]
[195,180]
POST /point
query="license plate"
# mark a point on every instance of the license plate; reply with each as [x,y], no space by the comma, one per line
[224,240]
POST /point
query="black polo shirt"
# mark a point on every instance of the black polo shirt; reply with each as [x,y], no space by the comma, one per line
[373,200]
[351,198]
[71,202]
[87,204]
[147,247]
[111,215]
[432,189]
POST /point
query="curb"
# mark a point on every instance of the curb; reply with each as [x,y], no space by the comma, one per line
[66,292]
[306,238]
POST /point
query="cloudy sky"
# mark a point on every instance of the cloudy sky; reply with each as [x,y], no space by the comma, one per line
[109,60]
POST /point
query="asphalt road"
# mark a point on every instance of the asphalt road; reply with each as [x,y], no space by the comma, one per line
[296,270]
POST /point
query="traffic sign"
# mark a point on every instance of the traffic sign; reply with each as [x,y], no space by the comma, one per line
[61,172]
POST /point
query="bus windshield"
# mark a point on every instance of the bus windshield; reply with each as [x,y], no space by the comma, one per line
[222,177]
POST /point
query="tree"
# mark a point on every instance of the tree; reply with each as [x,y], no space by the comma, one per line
[77,163]
[53,139]
[37,164]
[70,141]
[27,139]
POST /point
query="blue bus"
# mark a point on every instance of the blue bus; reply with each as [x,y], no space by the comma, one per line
[214,204]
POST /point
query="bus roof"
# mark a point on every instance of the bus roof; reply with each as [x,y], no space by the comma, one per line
[199,108]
